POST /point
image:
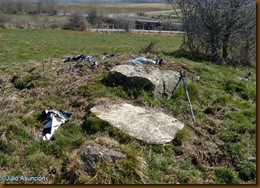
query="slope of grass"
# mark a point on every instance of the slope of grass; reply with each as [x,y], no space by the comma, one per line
[220,148]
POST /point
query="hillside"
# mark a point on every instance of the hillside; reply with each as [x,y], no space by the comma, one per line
[219,148]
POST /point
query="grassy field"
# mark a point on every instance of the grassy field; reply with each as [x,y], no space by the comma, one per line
[23,45]
[113,8]
[220,148]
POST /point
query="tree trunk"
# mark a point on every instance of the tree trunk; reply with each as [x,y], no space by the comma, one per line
[225,42]
[214,50]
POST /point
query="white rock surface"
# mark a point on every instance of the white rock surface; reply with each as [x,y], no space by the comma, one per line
[148,125]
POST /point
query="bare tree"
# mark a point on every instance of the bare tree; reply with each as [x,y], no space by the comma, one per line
[15,6]
[94,16]
[47,6]
[216,27]
[22,5]
[125,23]
[8,6]
[76,22]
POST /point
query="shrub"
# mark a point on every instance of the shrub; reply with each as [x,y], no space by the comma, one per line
[3,20]
[76,22]
[54,25]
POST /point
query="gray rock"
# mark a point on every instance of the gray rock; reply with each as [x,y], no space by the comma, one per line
[160,82]
[92,155]
[148,125]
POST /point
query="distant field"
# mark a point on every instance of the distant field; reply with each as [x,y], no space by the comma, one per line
[23,45]
[116,7]
[39,18]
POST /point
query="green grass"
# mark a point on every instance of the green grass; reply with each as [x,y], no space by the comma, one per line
[225,176]
[115,8]
[23,45]
[220,148]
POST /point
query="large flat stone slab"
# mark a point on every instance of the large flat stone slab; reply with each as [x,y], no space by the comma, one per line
[160,82]
[146,124]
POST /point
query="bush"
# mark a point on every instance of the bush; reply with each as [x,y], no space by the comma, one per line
[77,22]
[3,20]
[54,25]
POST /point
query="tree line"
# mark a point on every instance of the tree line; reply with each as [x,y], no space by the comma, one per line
[28,6]
[224,30]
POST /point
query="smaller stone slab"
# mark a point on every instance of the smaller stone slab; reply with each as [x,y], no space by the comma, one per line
[146,124]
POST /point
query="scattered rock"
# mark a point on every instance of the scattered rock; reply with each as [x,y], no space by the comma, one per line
[148,125]
[160,82]
[94,154]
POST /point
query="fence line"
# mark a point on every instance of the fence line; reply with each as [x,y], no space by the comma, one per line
[152,29]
